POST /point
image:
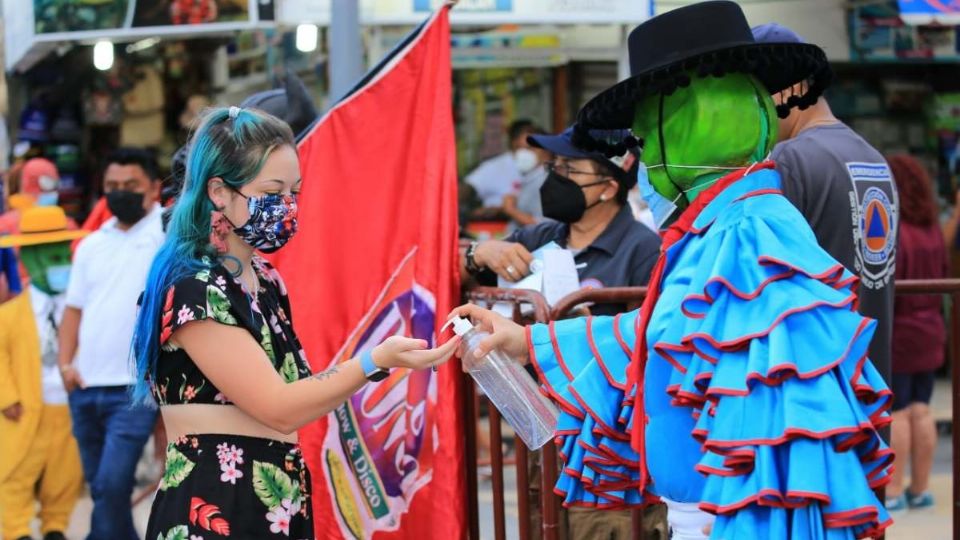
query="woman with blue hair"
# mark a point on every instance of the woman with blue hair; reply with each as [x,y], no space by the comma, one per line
[216,348]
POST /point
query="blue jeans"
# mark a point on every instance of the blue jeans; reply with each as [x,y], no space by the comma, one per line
[111,435]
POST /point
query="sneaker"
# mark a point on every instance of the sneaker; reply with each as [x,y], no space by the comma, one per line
[923,500]
[897,504]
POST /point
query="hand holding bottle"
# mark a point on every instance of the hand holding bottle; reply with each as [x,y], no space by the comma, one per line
[502,377]
[505,334]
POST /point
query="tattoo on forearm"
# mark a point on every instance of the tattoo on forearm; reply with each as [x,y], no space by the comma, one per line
[326,374]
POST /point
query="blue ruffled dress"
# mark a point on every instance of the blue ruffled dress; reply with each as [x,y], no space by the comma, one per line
[759,401]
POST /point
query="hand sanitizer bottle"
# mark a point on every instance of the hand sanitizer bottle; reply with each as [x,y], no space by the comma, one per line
[509,387]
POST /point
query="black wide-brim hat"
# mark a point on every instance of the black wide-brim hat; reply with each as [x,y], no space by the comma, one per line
[710,39]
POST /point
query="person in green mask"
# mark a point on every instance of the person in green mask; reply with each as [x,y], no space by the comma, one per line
[740,394]
[39,458]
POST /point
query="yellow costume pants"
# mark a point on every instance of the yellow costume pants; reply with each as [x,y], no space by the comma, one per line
[49,474]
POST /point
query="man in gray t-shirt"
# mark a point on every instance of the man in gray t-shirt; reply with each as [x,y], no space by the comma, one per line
[845,190]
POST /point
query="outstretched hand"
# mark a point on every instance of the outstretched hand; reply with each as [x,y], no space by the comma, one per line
[505,334]
[402,352]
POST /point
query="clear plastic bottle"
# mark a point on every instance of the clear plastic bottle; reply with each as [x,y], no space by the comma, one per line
[509,387]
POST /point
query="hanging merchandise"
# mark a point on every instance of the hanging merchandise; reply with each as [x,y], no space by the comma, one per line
[143,110]
[67,159]
[66,128]
[101,102]
[33,124]
[101,108]
[878,32]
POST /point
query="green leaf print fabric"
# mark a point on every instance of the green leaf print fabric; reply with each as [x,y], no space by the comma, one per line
[272,485]
[178,468]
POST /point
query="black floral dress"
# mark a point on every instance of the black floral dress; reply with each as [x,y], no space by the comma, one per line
[217,486]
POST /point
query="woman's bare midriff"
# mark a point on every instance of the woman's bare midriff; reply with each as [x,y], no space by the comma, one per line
[201,419]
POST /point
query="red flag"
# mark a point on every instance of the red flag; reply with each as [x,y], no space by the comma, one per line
[376,255]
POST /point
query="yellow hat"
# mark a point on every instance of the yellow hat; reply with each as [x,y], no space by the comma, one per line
[42,225]
[20,201]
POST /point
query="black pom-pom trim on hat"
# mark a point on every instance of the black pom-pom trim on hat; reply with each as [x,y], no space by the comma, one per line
[777,66]
[583,139]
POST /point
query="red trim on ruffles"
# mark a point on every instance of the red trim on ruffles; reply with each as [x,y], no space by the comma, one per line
[566,406]
[769,497]
[619,335]
[788,435]
[762,191]
[757,192]
[671,236]
[780,372]
[597,356]
[556,351]
[749,337]
[607,430]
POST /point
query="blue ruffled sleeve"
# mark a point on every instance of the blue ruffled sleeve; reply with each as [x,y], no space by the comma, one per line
[582,365]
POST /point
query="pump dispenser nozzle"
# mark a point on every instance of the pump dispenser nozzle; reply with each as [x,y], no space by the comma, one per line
[460,326]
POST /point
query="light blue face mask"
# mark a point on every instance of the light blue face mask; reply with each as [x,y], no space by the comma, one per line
[49,198]
[58,277]
[661,207]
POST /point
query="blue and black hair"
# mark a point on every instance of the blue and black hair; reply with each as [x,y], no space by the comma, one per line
[233,148]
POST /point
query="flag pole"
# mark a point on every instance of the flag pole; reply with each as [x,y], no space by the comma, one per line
[346,48]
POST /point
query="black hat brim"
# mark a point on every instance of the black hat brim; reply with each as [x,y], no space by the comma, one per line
[777,66]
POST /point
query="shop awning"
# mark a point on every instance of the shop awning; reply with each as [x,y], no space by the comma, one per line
[930,12]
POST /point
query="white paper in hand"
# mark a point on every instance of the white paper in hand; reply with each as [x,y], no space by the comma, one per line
[533,282]
[560,276]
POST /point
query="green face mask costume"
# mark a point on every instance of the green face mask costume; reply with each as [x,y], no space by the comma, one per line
[693,136]
[48,266]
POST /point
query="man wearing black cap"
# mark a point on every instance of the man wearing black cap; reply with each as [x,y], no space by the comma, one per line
[586,194]
[845,190]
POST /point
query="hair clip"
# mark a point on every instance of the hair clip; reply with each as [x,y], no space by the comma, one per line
[234,111]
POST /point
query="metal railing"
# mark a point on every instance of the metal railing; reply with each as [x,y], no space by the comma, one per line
[550,503]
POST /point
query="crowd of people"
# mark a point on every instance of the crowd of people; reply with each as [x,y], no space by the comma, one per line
[736,197]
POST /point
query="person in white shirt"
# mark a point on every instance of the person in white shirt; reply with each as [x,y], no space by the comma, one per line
[501,181]
[109,272]
[39,460]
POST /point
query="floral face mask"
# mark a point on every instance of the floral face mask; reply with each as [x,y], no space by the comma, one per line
[272,223]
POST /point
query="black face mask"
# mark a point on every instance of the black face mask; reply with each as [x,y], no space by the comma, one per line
[562,199]
[126,205]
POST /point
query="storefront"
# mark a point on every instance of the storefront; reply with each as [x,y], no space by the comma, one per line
[87,77]
[537,59]
[901,90]
[512,58]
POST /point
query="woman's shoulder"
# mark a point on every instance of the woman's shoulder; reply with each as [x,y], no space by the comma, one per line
[269,274]
[199,278]
[198,295]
